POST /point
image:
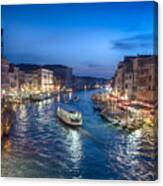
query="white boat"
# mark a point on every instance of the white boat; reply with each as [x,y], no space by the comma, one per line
[69,115]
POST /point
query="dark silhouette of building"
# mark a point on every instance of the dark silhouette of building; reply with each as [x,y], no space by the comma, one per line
[62,73]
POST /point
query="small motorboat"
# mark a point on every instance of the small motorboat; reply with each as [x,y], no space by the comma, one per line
[69,115]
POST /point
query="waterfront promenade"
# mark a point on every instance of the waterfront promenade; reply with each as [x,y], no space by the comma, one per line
[127,113]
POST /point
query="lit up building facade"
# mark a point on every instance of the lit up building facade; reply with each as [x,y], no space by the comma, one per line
[5,84]
[62,73]
[9,78]
[41,80]
[44,78]
[13,80]
[136,78]
[4,70]
[146,78]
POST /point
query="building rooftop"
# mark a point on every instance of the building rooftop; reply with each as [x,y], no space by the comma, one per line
[56,66]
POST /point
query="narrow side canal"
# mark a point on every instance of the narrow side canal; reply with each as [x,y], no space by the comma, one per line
[41,146]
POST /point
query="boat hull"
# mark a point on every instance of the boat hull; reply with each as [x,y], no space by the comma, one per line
[68,121]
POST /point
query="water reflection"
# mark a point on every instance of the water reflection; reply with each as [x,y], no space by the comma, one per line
[133,142]
[6,147]
[22,116]
[42,146]
[75,146]
[70,95]
[58,98]
[142,153]
[23,112]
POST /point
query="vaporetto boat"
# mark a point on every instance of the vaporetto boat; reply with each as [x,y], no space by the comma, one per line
[69,115]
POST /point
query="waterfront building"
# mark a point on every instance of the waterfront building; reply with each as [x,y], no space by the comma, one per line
[119,79]
[40,80]
[146,78]
[4,69]
[136,78]
[4,76]
[128,77]
[21,80]
[13,75]
[44,79]
[28,80]
[124,77]
[25,83]
[62,73]
[57,85]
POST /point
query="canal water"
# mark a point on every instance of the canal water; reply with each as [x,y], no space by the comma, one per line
[42,146]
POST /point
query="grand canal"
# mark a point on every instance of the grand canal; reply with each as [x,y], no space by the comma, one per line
[41,146]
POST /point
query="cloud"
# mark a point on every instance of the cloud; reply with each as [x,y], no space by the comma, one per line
[139,37]
[123,45]
[133,42]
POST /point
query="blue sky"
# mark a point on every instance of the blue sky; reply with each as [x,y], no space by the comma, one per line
[91,38]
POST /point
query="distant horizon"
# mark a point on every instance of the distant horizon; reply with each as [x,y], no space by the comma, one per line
[107,78]
[77,75]
[100,77]
[89,37]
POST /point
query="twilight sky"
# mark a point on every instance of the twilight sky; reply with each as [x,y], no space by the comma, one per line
[91,38]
